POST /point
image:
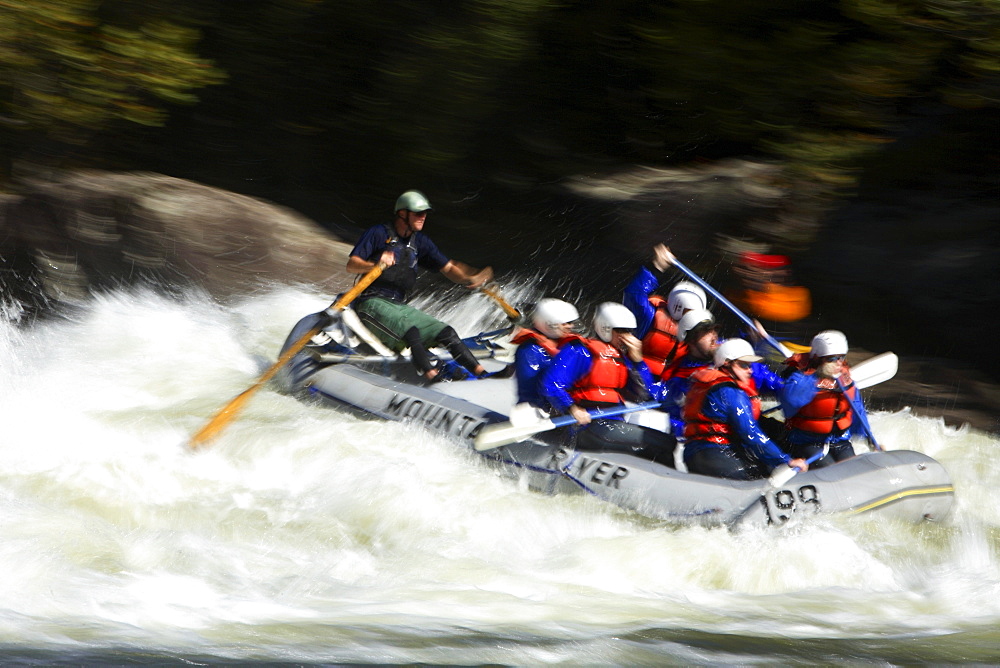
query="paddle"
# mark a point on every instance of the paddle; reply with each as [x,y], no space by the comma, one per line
[494,293]
[783,474]
[504,433]
[875,370]
[780,476]
[229,411]
[859,413]
[732,307]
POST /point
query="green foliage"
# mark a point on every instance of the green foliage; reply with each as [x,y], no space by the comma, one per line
[467,90]
[449,79]
[66,75]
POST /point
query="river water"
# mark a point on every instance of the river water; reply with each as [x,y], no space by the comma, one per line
[305,536]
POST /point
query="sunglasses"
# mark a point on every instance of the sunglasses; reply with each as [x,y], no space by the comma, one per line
[832,358]
[743,365]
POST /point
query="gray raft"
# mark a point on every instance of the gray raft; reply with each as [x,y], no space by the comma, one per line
[901,484]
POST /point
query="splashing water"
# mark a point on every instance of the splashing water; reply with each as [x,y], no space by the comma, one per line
[307,535]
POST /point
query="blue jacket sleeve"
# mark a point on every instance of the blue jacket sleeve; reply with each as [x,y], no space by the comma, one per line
[672,394]
[799,390]
[857,428]
[530,361]
[766,379]
[643,375]
[570,364]
[736,405]
[371,244]
[636,299]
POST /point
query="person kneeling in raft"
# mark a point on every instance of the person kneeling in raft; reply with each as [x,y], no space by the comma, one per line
[600,373]
[720,420]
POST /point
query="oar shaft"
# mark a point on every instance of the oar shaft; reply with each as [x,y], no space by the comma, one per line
[504,433]
[732,307]
[781,475]
[859,414]
[230,410]
[494,294]
[355,358]
[358,288]
[607,412]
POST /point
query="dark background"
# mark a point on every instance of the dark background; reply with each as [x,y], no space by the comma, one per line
[878,122]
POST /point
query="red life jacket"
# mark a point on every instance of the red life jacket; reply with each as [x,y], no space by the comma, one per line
[533,336]
[660,346]
[829,409]
[608,374]
[700,427]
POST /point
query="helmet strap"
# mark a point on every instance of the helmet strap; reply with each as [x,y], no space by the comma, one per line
[407,225]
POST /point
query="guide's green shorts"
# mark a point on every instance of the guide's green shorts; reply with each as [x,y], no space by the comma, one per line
[389,320]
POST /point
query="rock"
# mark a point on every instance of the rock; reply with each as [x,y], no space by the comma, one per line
[66,235]
[956,392]
[688,208]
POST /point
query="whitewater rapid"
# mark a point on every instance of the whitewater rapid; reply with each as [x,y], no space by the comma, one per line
[310,536]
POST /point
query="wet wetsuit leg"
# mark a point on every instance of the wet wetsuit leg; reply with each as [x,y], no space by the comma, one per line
[807,451]
[419,354]
[720,463]
[839,451]
[604,435]
[459,351]
[775,429]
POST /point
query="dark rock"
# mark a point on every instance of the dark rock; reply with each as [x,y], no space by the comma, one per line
[70,234]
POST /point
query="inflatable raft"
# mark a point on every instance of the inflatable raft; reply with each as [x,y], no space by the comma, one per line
[344,373]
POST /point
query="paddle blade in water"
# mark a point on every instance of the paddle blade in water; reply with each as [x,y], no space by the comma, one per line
[228,413]
[223,418]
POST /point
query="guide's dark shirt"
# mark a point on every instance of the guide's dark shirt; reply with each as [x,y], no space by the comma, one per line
[413,251]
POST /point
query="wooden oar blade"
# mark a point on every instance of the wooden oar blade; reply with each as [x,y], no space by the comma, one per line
[232,409]
[229,412]
[211,430]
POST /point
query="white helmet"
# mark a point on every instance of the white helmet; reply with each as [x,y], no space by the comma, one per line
[735,349]
[550,313]
[828,342]
[691,319]
[611,316]
[684,296]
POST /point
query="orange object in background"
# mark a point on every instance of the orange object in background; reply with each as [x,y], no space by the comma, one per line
[767,294]
[764,262]
[781,303]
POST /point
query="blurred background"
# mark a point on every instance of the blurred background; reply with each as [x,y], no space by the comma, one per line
[855,141]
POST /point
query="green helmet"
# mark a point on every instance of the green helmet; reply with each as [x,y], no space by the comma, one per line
[413,200]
